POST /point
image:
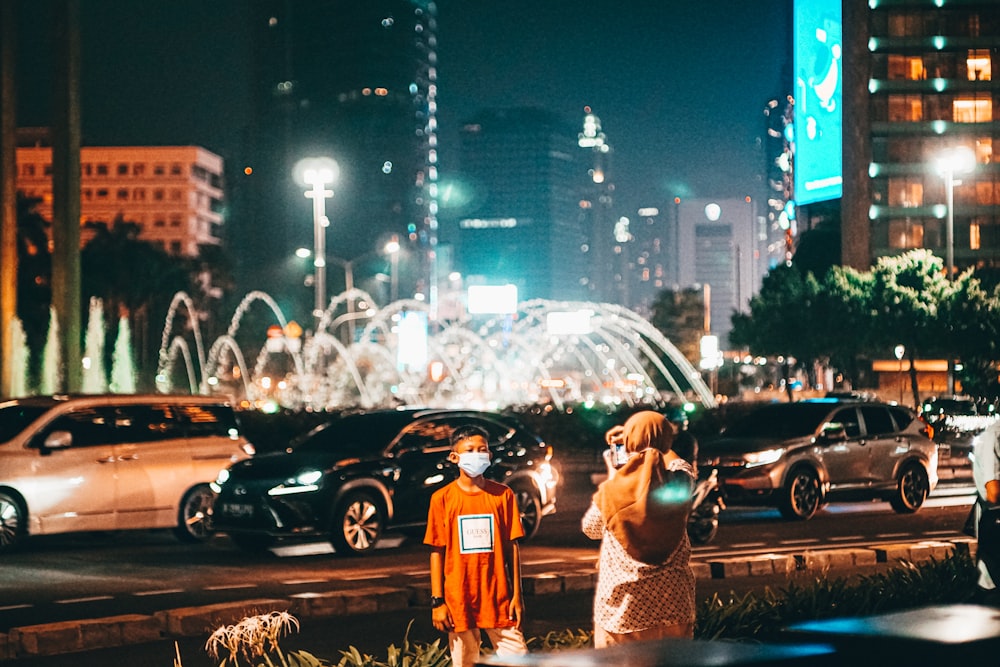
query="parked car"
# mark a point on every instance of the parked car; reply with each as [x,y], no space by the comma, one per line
[797,456]
[112,462]
[956,421]
[359,475]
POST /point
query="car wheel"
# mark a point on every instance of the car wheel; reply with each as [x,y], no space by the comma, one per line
[13,522]
[802,495]
[912,488]
[530,507]
[194,517]
[357,523]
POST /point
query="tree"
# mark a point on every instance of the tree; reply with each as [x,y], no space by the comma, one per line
[783,319]
[680,316]
[34,278]
[134,279]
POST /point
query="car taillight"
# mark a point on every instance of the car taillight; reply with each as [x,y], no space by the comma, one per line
[928,429]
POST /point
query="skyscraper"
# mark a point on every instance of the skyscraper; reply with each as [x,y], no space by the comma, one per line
[354,81]
[519,223]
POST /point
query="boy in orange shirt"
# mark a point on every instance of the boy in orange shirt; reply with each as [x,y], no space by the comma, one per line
[473,526]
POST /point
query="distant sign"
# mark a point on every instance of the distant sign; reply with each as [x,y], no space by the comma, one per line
[567,323]
[492,299]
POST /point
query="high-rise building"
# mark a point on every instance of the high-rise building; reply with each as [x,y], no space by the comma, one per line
[356,82]
[717,247]
[520,223]
[918,85]
[597,220]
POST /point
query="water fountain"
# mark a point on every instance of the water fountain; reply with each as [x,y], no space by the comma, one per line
[613,356]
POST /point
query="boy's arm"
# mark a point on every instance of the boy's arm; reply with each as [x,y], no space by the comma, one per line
[440,615]
[517,600]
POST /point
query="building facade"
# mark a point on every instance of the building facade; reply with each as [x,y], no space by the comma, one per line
[174,193]
[918,88]
[520,223]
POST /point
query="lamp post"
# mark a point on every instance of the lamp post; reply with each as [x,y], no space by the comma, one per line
[392,248]
[317,173]
[952,161]
[899,351]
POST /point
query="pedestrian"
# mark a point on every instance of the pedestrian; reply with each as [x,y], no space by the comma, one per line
[473,525]
[685,444]
[645,585]
[986,474]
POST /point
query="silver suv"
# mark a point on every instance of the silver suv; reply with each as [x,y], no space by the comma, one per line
[112,462]
[797,456]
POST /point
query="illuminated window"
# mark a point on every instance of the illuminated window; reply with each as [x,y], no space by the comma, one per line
[979,66]
[984,150]
[972,111]
[905,108]
[907,67]
[905,234]
[905,193]
[974,240]
[986,193]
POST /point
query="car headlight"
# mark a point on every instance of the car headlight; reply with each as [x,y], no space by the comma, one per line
[766,457]
[304,482]
[220,479]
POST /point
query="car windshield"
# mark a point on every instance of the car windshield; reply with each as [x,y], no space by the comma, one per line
[780,420]
[378,429]
[15,418]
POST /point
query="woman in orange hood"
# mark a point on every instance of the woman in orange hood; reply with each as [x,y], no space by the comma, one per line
[645,586]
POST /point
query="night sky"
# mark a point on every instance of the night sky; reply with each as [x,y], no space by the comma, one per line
[679,85]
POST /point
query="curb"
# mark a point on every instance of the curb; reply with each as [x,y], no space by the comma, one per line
[84,635]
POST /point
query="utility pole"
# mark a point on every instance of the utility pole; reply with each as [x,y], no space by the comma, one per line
[66,282]
[8,193]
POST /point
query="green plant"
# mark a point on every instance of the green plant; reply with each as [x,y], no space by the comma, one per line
[950,580]
[562,640]
[411,654]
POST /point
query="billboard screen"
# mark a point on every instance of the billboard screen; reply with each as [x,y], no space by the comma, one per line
[818,100]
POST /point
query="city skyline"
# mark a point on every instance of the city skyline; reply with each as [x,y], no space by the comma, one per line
[679,95]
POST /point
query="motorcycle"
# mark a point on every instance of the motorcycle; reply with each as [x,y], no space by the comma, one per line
[703,522]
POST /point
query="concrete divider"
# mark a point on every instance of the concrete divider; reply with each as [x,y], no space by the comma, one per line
[83,635]
[349,602]
[204,620]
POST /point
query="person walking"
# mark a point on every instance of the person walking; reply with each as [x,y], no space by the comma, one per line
[473,526]
[986,474]
[645,585]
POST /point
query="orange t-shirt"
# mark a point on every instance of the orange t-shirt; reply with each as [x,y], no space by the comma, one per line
[476,531]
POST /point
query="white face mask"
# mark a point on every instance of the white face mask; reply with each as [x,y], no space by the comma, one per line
[474,463]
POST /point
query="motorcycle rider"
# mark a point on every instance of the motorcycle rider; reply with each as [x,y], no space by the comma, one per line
[685,444]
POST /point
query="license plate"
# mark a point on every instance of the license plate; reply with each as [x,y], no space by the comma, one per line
[238,510]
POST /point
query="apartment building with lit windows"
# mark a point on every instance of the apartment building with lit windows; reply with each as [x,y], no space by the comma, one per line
[919,85]
[174,193]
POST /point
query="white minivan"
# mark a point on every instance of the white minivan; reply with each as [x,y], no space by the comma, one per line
[113,462]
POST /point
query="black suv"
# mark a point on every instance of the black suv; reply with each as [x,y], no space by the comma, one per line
[361,474]
[794,456]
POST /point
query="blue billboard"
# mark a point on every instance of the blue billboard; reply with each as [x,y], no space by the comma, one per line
[818,125]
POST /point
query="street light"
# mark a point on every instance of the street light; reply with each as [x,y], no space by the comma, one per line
[899,351]
[392,248]
[952,161]
[317,173]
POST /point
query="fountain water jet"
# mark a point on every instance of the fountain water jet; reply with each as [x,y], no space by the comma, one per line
[492,362]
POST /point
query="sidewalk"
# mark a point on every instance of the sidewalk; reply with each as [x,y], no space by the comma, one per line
[85,635]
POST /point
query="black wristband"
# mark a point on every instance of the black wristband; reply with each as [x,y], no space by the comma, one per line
[436,602]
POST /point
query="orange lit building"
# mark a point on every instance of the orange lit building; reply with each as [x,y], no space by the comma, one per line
[173,192]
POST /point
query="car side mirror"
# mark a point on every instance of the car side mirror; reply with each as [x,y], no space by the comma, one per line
[57,440]
[833,432]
